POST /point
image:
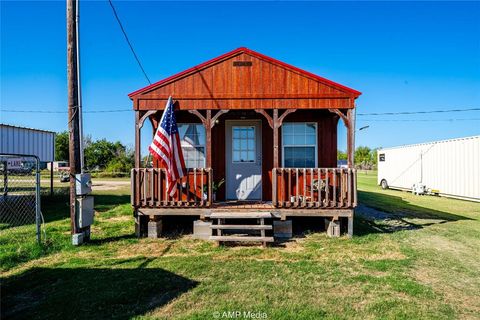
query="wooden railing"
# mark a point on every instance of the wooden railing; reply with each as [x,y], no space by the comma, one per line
[149,188]
[314,188]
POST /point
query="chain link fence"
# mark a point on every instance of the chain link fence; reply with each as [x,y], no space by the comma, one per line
[20,215]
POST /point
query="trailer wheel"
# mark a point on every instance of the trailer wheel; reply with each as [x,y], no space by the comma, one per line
[384,184]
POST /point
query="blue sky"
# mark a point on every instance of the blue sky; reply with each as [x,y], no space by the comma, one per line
[403,56]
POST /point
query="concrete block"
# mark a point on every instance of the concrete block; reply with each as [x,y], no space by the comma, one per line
[77,239]
[333,227]
[282,229]
[201,229]
[155,229]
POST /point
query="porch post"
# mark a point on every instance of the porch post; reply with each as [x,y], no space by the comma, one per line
[275,138]
[350,138]
[208,137]
[137,140]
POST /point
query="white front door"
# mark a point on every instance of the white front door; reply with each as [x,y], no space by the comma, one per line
[243,159]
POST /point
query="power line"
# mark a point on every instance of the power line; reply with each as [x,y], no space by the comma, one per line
[417,120]
[128,41]
[52,111]
[415,112]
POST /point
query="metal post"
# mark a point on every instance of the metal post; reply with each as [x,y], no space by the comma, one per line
[51,178]
[38,219]
[5,178]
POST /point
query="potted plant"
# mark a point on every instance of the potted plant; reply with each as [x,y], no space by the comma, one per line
[215,187]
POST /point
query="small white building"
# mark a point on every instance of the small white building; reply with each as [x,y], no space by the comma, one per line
[448,167]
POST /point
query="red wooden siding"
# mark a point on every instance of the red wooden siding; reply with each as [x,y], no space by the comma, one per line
[266,84]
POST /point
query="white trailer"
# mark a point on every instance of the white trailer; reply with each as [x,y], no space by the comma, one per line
[449,168]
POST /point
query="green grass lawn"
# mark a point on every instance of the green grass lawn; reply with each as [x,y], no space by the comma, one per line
[425,266]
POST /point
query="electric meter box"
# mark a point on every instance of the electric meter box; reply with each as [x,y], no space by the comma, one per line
[85,211]
[83,183]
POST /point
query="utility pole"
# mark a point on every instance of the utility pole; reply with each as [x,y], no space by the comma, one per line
[80,227]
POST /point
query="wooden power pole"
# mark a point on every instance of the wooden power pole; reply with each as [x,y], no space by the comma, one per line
[73,109]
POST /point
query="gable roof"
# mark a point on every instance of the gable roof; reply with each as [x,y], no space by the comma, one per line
[258,55]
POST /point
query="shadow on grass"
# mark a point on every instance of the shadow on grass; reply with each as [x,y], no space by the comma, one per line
[384,213]
[111,239]
[57,207]
[84,293]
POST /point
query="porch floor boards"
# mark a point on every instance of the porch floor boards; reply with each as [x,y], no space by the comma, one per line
[233,205]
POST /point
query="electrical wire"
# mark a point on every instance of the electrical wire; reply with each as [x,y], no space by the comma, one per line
[417,120]
[52,111]
[415,112]
[128,41]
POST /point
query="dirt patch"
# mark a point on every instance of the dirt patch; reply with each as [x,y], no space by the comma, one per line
[103,185]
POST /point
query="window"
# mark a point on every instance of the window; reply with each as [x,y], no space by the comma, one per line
[381,157]
[192,140]
[243,144]
[299,140]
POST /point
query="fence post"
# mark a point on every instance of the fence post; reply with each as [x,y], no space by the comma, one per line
[37,202]
[5,179]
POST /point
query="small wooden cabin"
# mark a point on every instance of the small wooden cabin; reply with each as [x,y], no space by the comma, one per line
[259,138]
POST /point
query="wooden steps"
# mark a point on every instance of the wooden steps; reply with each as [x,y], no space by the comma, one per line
[242,227]
[250,226]
[241,215]
[241,238]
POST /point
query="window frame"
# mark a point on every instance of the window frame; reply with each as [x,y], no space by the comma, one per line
[199,145]
[247,150]
[298,145]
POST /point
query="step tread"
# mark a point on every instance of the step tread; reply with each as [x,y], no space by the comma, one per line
[240,215]
[241,238]
[242,226]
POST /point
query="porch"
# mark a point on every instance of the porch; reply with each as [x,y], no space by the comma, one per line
[293,188]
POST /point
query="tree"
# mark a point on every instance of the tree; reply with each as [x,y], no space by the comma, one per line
[365,158]
[122,163]
[341,155]
[99,153]
[61,146]
[362,155]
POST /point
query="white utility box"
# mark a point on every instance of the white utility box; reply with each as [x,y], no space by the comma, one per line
[83,183]
[85,211]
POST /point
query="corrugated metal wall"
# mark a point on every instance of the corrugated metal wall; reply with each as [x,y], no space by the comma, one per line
[450,166]
[17,140]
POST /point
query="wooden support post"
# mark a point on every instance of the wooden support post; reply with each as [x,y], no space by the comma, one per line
[208,137]
[275,138]
[138,155]
[350,139]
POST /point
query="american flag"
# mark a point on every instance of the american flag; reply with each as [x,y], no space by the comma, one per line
[166,148]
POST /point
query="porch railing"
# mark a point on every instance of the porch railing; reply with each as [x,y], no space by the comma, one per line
[149,188]
[314,187]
